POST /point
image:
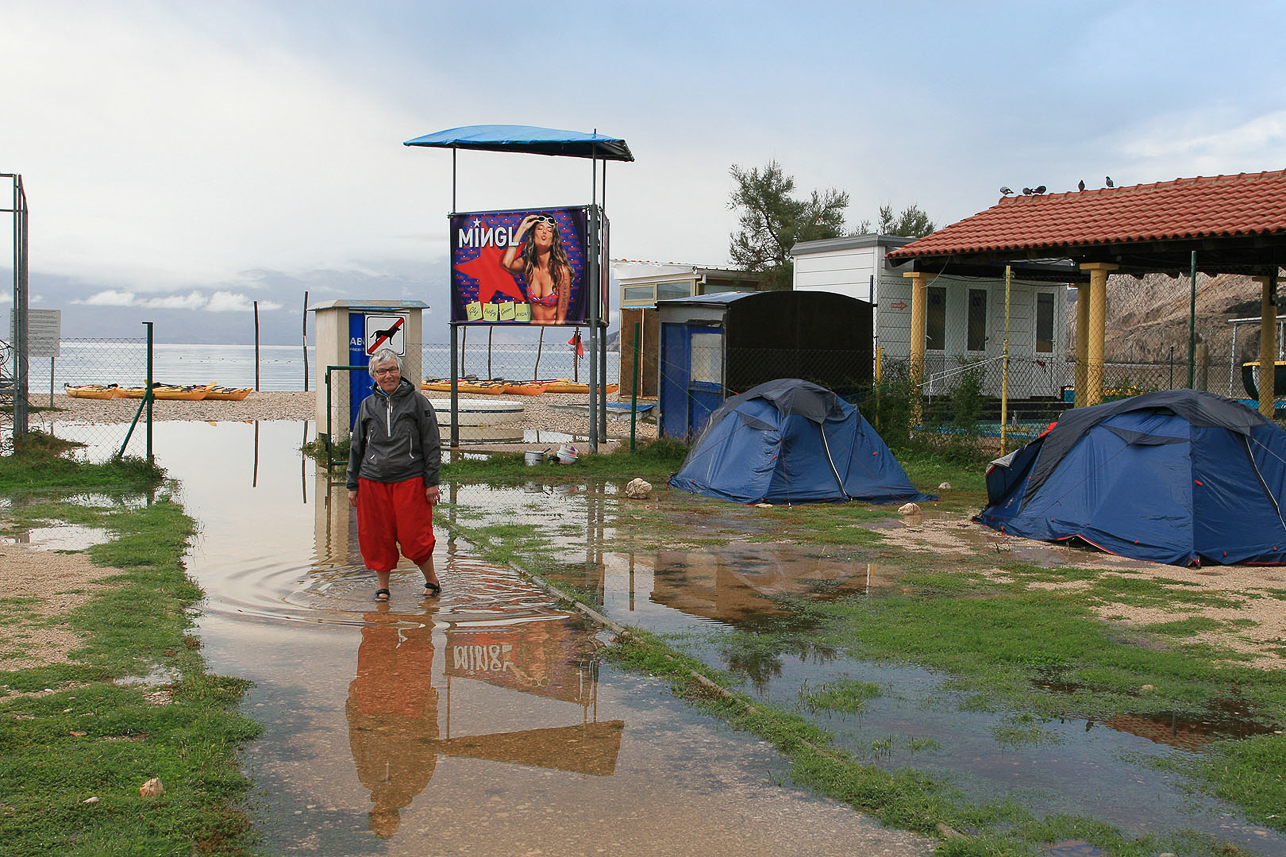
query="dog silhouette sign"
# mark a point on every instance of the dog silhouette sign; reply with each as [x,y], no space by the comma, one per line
[386,331]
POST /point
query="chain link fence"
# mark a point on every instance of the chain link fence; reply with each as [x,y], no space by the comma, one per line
[93,372]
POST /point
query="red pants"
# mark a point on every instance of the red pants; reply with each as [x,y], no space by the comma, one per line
[393,513]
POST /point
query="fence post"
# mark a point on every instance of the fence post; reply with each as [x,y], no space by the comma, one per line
[148,394]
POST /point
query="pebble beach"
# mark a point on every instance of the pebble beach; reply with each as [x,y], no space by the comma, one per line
[539,412]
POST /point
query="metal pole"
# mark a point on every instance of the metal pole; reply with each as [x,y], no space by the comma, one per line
[1192,324]
[1004,374]
[592,284]
[305,341]
[20,346]
[455,377]
[256,305]
[634,394]
[147,393]
[605,305]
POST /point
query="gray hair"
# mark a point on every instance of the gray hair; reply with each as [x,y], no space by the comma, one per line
[382,356]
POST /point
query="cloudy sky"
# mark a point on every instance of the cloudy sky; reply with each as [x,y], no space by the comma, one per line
[185,159]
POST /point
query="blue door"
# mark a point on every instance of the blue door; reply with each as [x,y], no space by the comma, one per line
[691,378]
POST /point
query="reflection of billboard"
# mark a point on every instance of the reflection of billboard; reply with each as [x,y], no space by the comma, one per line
[547,655]
[525,266]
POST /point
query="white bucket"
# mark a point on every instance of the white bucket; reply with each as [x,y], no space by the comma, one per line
[534,458]
[566,454]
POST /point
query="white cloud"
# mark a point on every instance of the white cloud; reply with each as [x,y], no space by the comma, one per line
[193,300]
[110,297]
[1206,144]
[235,302]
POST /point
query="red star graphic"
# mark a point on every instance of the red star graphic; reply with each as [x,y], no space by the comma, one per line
[492,278]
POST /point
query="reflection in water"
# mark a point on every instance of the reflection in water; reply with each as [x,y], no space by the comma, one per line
[495,636]
[552,655]
[393,714]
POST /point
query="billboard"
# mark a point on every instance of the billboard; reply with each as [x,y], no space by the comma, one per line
[525,266]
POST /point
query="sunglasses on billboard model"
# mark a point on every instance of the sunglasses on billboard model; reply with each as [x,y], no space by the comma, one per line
[545,218]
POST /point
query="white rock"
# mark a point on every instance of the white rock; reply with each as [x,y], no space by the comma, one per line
[945,486]
[638,489]
[909,509]
[90,800]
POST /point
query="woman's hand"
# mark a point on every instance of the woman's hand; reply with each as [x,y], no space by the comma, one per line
[352,499]
[510,261]
[527,223]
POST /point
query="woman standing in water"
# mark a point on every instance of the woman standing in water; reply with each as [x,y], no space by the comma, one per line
[544,266]
[393,463]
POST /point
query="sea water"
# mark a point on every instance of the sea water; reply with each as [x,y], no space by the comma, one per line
[278,367]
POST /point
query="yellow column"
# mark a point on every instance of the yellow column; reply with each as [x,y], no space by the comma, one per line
[1082,341]
[1097,323]
[919,330]
[1267,345]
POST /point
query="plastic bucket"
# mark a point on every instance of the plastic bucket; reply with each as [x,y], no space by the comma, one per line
[534,458]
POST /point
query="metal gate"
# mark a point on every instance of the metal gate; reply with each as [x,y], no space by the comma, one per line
[691,384]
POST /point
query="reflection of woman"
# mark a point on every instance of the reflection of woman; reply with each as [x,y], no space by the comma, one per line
[393,715]
[544,266]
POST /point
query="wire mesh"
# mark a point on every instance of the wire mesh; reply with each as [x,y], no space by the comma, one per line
[99,425]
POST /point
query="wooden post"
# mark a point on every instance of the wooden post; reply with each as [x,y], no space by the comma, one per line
[1097,324]
[919,332]
[1268,345]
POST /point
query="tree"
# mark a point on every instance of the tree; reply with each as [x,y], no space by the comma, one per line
[912,222]
[773,222]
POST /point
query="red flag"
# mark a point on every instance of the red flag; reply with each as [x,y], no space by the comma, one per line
[575,340]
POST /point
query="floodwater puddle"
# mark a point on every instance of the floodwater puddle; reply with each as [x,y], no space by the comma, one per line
[62,537]
[485,721]
[703,597]
[482,721]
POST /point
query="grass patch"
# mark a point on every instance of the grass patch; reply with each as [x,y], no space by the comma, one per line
[90,738]
[846,696]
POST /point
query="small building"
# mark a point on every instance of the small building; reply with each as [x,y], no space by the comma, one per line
[716,346]
[642,284]
[965,313]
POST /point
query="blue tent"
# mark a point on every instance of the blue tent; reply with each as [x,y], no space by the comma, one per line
[789,441]
[1180,477]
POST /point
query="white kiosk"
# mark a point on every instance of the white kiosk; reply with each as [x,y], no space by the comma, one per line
[347,334]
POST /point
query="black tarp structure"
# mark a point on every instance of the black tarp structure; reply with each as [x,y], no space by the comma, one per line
[531,140]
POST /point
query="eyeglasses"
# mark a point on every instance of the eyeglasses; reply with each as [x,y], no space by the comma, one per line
[392,370]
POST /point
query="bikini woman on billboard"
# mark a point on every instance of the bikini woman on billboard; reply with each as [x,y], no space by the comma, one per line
[544,267]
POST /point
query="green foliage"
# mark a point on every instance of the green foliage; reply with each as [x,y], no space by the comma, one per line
[41,462]
[773,221]
[911,223]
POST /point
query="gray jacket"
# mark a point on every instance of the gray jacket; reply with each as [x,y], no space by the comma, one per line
[395,438]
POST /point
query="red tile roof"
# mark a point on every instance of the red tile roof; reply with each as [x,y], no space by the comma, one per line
[1202,207]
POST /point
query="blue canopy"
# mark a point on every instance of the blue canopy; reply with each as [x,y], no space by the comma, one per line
[528,139]
[1180,477]
[791,441]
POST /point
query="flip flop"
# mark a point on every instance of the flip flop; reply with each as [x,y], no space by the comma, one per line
[432,590]
[382,595]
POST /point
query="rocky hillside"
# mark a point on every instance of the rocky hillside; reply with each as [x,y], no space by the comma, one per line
[1149,315]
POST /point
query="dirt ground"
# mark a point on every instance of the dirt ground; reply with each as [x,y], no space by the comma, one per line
[1259,590]
[39,589]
